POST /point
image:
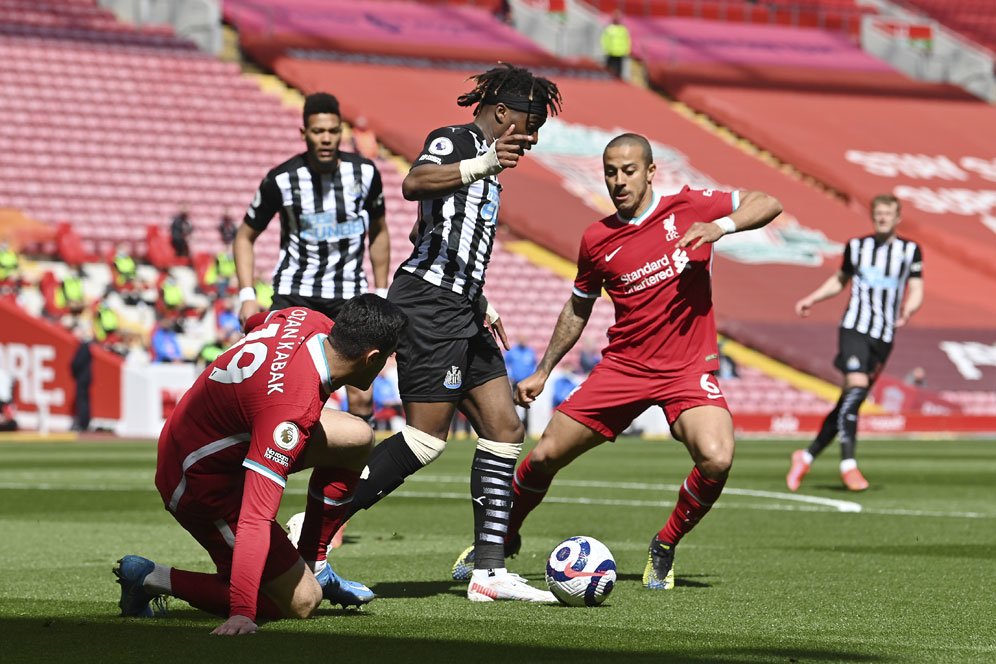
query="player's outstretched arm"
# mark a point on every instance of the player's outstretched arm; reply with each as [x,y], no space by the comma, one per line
[827,289]
[914,300]
[756,210]
[570,325]
[380,253]
[428,181]
[244,253]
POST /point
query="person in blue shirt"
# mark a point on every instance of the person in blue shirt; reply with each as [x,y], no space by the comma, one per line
[166,345]
[520,362]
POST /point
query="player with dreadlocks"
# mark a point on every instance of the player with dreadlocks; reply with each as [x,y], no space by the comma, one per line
[449,359]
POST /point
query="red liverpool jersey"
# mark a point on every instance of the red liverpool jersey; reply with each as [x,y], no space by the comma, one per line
[662,294]
[251,410]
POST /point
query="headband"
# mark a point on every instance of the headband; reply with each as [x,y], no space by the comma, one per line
[517,103]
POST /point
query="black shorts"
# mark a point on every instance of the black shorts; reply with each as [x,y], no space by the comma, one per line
[860,353]
[329,307]
[446,351]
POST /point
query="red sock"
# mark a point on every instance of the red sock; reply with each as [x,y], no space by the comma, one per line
[330,491]
[529,489]
[209,592]
[695,497]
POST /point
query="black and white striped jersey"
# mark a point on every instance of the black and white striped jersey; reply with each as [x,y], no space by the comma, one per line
[324,220]
[455,234]
[878,273]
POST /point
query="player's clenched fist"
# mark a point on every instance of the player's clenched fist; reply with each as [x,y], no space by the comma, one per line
[510,146]
[527,390]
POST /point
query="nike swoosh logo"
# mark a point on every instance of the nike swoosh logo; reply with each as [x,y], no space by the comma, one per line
[715,396]
[609,257]
[572,573]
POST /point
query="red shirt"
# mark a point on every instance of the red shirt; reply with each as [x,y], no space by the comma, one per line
[662,294]
[252,409]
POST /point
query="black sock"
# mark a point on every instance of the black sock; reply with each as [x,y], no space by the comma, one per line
[388,466]
[828,431]
[847,422]
[491,493]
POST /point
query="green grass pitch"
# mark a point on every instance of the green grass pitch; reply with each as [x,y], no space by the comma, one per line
[766,577]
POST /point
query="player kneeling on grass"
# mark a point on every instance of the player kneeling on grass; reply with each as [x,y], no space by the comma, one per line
[654,259]
[253,417]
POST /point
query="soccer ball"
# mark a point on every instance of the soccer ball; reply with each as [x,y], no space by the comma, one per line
[581,571]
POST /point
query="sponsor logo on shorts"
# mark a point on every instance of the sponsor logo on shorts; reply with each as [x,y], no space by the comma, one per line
[286,435]
[454,378]
[853,363]
[276,457]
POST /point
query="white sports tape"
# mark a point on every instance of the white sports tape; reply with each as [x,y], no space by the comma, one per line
[503,450]
[727,224]
[425,447]
[472,170]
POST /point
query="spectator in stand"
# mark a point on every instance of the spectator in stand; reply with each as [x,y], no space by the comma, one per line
[166,343]
[10,273]
[171,298]
[106,327]
[227,318]
[566,383]
[180,230]
[221,273]
[616,45]
[124,270]
[81,367]
[520,362]
[727,367]
[917,377]
[70,297]
[364,140]
[590,356]
[227,228]
[386,396]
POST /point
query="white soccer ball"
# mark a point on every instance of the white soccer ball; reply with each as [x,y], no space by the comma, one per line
[581,571]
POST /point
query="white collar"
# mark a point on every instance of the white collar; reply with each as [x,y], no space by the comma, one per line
[317,351]
[636,221]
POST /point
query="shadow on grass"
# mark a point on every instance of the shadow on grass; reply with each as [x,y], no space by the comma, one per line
[106,641]
[410,589]
[680,581]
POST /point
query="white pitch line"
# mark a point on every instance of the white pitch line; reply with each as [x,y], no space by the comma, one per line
[609,502]
[839,505]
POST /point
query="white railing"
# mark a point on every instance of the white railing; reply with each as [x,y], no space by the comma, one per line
[948,59]
[196,20]
[576,33]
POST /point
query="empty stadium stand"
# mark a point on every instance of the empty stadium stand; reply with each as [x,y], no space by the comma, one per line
[976,19]
[113,128]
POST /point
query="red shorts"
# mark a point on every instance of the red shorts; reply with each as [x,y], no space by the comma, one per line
[218,539]
[613,396]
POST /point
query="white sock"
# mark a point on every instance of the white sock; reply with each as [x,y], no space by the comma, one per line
[807,457]
[483,574]
[848,464]
[157,581]
[316,566]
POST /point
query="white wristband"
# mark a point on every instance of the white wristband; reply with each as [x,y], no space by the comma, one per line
[247,294]
[491,313]
[472,170]
[382,292]
[727,224]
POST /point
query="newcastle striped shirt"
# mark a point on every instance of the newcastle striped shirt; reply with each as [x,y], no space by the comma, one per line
[455,234]
[324,220]
[878,274]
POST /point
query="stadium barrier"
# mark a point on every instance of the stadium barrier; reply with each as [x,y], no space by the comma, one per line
[37,355]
